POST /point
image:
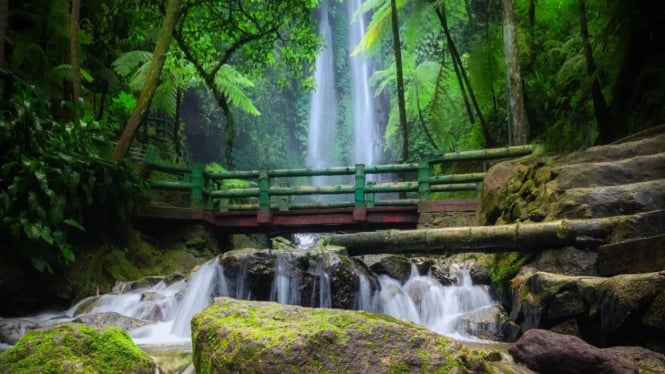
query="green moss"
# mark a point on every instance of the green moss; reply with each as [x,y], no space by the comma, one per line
[505,267]
[242,336]
[76,348]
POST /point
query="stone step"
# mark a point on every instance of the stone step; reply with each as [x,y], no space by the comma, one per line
[651,143]
[641,255]
[606,201]
[610,173]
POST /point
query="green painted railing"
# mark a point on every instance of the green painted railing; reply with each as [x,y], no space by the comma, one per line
[262,193]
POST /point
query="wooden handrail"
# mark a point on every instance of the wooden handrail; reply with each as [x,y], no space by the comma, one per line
[207,188]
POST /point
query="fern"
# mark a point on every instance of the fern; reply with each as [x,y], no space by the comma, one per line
[230,82]
[128,62]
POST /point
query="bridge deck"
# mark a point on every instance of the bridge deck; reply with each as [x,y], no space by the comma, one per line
[320,219]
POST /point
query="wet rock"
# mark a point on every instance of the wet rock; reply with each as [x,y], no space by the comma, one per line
[548,352]
[107,319]
[567,261]
[632,256]
[122,287]
[11,329]
[626,308]
[646,361]
[568,327]
[76,348]
[252,272]
[243,336]
[242,241]
[398,267]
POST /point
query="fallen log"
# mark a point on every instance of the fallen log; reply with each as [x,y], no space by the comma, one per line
[582,233]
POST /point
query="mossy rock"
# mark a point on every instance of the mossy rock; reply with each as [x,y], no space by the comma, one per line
[76,348]
[264,337]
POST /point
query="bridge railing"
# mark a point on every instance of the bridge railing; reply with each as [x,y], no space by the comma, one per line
[261,192]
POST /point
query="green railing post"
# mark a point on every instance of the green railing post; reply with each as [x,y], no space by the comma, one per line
[359,208]
[370,197]
[263,215]
[424,187]
[197,186]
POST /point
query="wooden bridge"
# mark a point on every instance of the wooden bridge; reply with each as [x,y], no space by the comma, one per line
[342,198]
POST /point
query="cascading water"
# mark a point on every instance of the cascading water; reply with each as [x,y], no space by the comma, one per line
[366,148]
[460,310]
[457,310]
[323,105]
[323,102]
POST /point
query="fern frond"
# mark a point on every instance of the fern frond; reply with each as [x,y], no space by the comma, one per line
[164,98]
[230,82]
[128,62]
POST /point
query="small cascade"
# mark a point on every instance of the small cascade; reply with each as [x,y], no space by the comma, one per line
[366,298]
[461,310]
[197,296]
[286,285]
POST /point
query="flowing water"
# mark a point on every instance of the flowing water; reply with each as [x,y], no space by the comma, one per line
[323,101]
[366,137]
[461,310]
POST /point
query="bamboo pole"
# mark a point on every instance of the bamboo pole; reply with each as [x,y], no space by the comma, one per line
[588,233]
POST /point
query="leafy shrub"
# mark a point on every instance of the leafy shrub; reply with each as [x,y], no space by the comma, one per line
[53,183]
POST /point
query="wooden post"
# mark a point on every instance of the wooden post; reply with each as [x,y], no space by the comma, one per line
[424,188]
[359,208]
[370,197]
[197,187]
[263,215]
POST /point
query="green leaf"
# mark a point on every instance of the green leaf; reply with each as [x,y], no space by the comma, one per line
[46,235]
[73,223]
[39,264]
[67,253]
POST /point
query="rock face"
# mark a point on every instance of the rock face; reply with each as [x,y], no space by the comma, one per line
[250,273]
[622,309]
[603,181]
[263,337]
[76,348]
[627,177]
[551,353]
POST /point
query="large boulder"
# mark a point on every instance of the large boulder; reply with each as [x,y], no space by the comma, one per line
[76,348]
[551,353]
[264,337]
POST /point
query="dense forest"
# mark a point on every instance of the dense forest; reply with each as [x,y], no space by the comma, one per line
[85,85]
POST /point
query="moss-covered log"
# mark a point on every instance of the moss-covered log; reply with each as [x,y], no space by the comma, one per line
[515,237]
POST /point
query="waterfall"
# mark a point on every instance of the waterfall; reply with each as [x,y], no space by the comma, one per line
[461,310]
[457,310]
[323,102]
[286,285]
[197,296]
[366,149]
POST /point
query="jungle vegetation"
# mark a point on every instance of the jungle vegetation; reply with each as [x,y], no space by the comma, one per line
[86,84]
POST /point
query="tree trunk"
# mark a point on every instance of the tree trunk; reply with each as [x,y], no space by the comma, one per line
[230,131]
[176,125]
[518,125]
[400,82]
[152,80]
[457,62]
[4,22]
[599,104]
[74,54]
[516,237]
